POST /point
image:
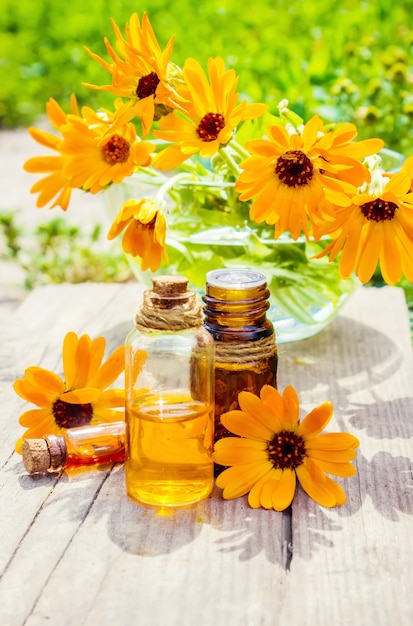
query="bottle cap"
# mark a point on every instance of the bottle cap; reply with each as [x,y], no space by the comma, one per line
[36,455]
[235,278]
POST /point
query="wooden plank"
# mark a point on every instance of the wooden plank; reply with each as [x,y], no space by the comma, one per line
[87,533]
[78,551]
[34,338]
[35,335]
[210,562]
[351,563]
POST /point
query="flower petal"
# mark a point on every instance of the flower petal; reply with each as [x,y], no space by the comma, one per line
[97,351]
[259,411]
[337,491]
[254,496]
[344,470]
[244,425]
[82,361]
[333,456]
[315,488]
[332,441]
[88,395]
[292,408]
[273,400]
[110,369]
[43,428]
[32,417]
[112,398]
[49,382]
[69,359]
[101,414]
[316,420]
[238,480]
[32,394]
[238,451]
[283,494]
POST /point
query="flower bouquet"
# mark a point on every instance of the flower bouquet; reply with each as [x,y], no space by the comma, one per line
[197,178]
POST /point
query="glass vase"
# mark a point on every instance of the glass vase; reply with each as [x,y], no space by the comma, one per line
[208,228]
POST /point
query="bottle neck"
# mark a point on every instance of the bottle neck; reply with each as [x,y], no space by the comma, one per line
[232,295]
[237,314]
[57,450]
[169,306]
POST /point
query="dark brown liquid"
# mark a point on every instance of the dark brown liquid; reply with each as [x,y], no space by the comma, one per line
[235,315]
[230,379]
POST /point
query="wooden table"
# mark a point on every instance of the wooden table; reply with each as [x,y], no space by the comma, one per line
[77,551]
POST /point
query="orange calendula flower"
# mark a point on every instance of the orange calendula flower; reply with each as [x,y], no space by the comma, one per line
[141,71]
[96,155]
[145,231]
[274,449]
[376,228]
[296,178]
[208,114]
[79,398]
[91,154]
[55,187]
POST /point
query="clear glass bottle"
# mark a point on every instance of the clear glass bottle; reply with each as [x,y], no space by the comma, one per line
[169,398]
[75,448]
[236,302]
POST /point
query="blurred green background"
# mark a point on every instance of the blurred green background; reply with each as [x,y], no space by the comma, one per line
[348,61]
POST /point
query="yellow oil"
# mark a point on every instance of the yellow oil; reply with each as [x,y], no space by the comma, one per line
[169,449]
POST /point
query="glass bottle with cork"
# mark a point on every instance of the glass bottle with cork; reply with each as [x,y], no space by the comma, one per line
[236,302]
[169,398]
[75,448]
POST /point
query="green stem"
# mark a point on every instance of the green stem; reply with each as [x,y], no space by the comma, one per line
[170,183]
[240,150]
[289,117]
[231,162]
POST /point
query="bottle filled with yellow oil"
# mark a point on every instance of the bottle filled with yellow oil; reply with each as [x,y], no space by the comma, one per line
[169,398]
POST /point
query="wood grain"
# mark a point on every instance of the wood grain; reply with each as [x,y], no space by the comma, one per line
[75,550]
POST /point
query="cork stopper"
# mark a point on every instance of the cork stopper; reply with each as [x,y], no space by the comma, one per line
[169,292]
[36,455]
[169,305]
[169,285]
[44,455]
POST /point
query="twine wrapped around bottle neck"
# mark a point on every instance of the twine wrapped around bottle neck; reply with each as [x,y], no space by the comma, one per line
[169,306]
[245,351]
[178,318]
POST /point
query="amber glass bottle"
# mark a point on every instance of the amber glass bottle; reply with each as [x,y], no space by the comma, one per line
[236,302]
[169,398]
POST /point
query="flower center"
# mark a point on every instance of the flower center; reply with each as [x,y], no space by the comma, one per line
[116,150]
[147,85]
[71,415]
[210,126]
[149,225]
[286,450]
[378,210]
[294,168]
